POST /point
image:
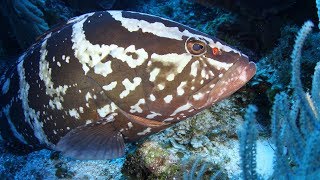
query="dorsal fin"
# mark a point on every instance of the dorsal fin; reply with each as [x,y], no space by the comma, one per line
[53,29]
[98,140]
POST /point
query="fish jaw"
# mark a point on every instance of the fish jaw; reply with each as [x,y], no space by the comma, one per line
[232,80]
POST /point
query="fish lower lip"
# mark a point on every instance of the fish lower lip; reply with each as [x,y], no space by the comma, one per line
[237,76]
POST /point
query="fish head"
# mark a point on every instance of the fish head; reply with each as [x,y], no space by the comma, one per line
[206,71]
[224,71]
[161,69]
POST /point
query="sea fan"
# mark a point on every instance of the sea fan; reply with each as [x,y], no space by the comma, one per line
[295,126]
[248,145]
[26,20]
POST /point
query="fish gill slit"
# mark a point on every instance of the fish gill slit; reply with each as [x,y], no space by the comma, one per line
[101,89]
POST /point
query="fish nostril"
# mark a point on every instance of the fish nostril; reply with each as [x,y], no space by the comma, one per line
[216,51]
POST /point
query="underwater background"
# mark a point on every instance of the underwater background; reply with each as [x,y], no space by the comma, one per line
[268,129]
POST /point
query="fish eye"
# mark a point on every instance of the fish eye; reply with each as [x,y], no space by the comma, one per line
[195,46]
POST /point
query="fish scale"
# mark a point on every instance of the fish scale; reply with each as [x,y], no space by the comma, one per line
[111,77]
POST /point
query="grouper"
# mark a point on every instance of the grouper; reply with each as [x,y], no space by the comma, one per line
[106,78]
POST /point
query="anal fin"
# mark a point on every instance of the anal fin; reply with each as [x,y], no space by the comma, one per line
[94,141]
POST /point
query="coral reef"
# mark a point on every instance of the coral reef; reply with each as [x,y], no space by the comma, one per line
[204,137]
[295,126]
[25,19]
[171,153]
[46,164]
[257,24]
[151,160]
[248,136]
[274,70]
[208,20]
[196,168]
[89,6]
[57,12]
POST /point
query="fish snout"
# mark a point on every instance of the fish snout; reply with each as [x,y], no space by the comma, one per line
[233,79]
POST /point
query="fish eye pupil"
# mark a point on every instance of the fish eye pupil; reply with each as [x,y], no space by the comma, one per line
[197,47]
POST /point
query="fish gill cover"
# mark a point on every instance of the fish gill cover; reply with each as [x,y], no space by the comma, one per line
[205,145]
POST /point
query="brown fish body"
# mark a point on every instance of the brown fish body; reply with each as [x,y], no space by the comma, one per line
[109,77]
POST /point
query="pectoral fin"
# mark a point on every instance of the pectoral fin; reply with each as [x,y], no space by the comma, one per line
[143,121]
[98,140]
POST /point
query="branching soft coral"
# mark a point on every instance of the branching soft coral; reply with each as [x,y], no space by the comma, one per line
[26,20]
[296,129]
[248,145]
[295,126]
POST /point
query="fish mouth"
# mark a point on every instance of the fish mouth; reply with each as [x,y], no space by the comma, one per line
[232,80]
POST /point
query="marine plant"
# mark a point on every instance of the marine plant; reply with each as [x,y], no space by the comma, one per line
[295,126]
[195,168]
[26,20]
[248,136]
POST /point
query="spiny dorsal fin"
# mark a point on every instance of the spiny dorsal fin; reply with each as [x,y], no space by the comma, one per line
[98,140]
